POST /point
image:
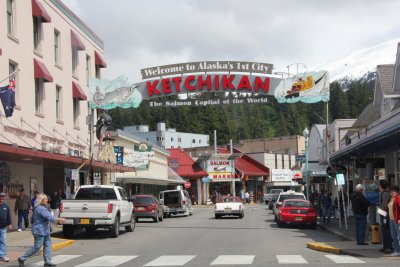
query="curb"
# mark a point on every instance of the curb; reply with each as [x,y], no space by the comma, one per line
[65,243]
[324,247]
[338,234]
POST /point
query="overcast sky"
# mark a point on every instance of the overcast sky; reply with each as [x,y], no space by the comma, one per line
[140,34]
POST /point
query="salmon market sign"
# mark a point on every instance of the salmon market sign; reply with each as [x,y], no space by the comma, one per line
[248,83]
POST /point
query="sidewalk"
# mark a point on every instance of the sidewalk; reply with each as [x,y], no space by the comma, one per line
[348,244]
[19,242]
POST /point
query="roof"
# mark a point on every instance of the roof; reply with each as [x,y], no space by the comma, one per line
[370,114]
[386,76]
[138,139]
[245,164]
[320,129]
[184,165]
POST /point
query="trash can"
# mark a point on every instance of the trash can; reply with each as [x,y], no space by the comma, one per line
[375,233]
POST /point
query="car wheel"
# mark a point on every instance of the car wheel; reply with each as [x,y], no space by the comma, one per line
[155,219]
[165,215]
[161,218]
[114,230]
[217,216]
[68,231]
[241,216]
[131,227]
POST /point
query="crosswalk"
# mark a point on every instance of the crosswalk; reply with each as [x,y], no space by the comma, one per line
[184,260]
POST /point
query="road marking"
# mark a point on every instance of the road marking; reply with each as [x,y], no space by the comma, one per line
[344,259]
[233,259]
[58,259]
[173,260]
[107,261]
[291,259]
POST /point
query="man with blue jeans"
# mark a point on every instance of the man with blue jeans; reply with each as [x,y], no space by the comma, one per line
[22,206]
[5,221]
[360,210]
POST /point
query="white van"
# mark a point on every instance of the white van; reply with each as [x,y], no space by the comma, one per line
[176,202]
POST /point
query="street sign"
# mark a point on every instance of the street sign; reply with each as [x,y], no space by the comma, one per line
[300,158]
[187,185]
[340,179]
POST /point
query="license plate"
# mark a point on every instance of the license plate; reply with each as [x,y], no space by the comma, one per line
[298,218]
[140,208]
[85,221]
[227,210]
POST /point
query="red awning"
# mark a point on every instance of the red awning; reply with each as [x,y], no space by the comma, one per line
[39,11]
[78,92]
[41,71]
[76,42]
[99,60]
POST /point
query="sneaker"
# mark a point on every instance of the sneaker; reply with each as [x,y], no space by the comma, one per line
[20,262]
[19,230]
[49,265]
[5,259]
[394,254]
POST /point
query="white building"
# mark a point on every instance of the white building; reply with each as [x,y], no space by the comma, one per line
[168,137]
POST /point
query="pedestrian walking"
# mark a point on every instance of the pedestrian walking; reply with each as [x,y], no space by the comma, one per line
[5,222]
[41,219]
[360,206]
[326,203]
[394,219]
[384,198]
[22,206]
[247,195]
[55,201]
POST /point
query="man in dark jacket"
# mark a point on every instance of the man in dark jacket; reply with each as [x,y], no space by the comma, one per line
[22,206]
[326,203]
[384,197]
[5,221]
[360,210]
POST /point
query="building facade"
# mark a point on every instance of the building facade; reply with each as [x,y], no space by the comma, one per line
[168,137]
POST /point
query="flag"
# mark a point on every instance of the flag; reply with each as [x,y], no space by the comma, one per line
[7,95]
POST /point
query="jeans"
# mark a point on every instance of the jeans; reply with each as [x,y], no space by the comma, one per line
[326,214]
[386,235]
[361,226]
[3,242]
[395,232]
[38,242]
[23,214]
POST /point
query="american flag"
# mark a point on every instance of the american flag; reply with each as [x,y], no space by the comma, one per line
[12,85]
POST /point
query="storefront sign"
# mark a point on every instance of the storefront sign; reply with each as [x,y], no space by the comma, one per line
[210,102]
[119,154]
[281,175]
[377,162]
[140,157]
[74,174]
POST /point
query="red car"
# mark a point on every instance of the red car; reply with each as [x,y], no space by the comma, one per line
[297,212]
[147,206]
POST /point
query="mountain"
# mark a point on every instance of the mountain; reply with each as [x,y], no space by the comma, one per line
[362,64]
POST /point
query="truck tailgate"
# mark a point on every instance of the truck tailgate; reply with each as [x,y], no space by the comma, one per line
[85,209]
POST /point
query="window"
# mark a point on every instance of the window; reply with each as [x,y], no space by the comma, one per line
[10,17]
[200,141]
[75,61]
[179,139]
[172,139]
[58,103]
[75,111]
[57,47]
[38,95]
[87,70]
[12,67]
[37,31]
[98,72]
[194,141]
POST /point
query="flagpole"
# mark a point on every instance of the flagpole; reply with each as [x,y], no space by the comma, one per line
[9,76]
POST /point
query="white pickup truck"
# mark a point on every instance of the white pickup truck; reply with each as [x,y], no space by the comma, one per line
[98,206]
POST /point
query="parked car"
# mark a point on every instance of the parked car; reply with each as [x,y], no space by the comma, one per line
[176,202]
[229,206]
[268,197]
[147,206]
[98,206]
[295,211]
[286,195]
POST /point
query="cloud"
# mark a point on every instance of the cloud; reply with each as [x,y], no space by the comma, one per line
[139,34]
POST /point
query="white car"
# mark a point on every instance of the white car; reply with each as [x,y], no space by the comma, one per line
[229,206]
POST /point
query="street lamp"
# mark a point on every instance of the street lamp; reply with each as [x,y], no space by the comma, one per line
[306,134]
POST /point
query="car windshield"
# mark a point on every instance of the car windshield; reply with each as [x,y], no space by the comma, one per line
[275,191]
[142,200]
[297,204]
[283,197]
[228,199]
[96,194]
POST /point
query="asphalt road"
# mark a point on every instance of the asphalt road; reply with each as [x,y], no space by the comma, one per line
[201,240]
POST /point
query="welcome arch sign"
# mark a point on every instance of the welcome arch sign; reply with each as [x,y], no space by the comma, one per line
[249,82]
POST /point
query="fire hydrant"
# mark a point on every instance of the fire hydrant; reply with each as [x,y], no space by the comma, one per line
[375,233]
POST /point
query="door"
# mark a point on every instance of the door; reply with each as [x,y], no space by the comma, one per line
[126,206]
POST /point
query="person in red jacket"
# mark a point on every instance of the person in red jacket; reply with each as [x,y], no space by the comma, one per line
[394,217]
